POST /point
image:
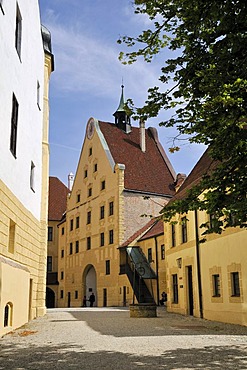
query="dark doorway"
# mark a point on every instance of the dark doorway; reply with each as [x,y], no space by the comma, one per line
[69,299]
[124,296]
[50,298]
[190,290]
[104,297]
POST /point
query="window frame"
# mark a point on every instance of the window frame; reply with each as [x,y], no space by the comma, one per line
[184,230]
[175,288]
[150,255]
[77,222]
[216,285]
[173,234]
[77,246]
[70,248]
[18,31]
[14,125]
[102,212]
[89,243]
[107,267]
[50,234]
[89,217]
[162,252]
[111,208]
[111,236]
[235,284]
[102,239]
[49,264]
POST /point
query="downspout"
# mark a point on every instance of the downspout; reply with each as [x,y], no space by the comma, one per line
[157,269]
[199,280]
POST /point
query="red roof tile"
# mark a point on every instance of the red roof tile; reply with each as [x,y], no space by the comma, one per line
[155,230]
[141,232]
[57,199]
[147,172]
[205,165]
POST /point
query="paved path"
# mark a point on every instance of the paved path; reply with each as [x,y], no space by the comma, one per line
[108,339]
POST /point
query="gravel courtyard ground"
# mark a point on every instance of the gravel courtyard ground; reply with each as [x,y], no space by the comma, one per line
[107,338]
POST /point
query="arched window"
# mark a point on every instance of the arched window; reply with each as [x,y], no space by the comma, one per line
[8,309]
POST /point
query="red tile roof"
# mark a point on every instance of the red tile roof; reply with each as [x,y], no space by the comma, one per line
[205,165]
[151,225]
[147,172]
[155,230]
[57,199]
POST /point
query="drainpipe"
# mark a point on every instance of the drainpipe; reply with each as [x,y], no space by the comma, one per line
[157,270]
[199,280]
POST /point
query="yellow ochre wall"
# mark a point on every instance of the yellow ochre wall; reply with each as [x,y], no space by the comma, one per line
[220,254]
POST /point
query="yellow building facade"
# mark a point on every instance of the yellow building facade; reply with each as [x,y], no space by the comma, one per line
[25,158]
[207,279]
[105,206]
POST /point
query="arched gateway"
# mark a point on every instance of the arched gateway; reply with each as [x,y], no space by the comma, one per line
[89,283]
[50,298]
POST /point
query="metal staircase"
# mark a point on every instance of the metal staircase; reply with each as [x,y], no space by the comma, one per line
[138,270]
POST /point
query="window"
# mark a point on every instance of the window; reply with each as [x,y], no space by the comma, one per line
[173,235]
[184,229]
[111,208]
[38,95]
[102,239]
[61,293]
[62,253]
[61,275]
[78,198]
[216,285]
[71,224]
[235,284]
[88,242]
[1,6]
[175,288]
[8,309]
[162,251]
[85,174]
[62,230]
[76,294]
[111,237]
[95,167]
[70,248]
[150,259]
[89,217]
[103,185]
[212,221]
[11,243]
[90,151]
[49,263]
[14,121]
[77,246]
[77,222]
[32,176]
[50,233]
[89,192]
[102,212]
[18,30]
[107,267]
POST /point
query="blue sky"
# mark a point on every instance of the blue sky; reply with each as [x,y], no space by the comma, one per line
[88,75]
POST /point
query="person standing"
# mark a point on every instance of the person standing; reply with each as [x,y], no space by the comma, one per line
[92,299]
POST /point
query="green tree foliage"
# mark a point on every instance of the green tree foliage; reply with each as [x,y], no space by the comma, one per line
[208,97]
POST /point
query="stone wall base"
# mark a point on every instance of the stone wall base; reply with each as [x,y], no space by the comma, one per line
[143,310]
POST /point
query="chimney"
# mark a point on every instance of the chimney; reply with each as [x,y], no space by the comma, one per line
[70,181]
[142,136]
[179,180]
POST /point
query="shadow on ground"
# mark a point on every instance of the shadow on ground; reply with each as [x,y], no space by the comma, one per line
[61,357]
[119,324]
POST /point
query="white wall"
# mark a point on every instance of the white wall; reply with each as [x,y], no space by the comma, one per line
[20,77]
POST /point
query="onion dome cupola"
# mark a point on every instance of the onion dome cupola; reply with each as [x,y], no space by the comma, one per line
[122,119]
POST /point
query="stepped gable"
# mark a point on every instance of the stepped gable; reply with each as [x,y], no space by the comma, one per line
[144,171]
[57,199]
[205,165]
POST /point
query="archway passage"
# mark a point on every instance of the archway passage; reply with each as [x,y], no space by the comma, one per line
[90,283]
[50,298]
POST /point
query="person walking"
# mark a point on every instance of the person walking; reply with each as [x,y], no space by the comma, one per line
[92,299]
